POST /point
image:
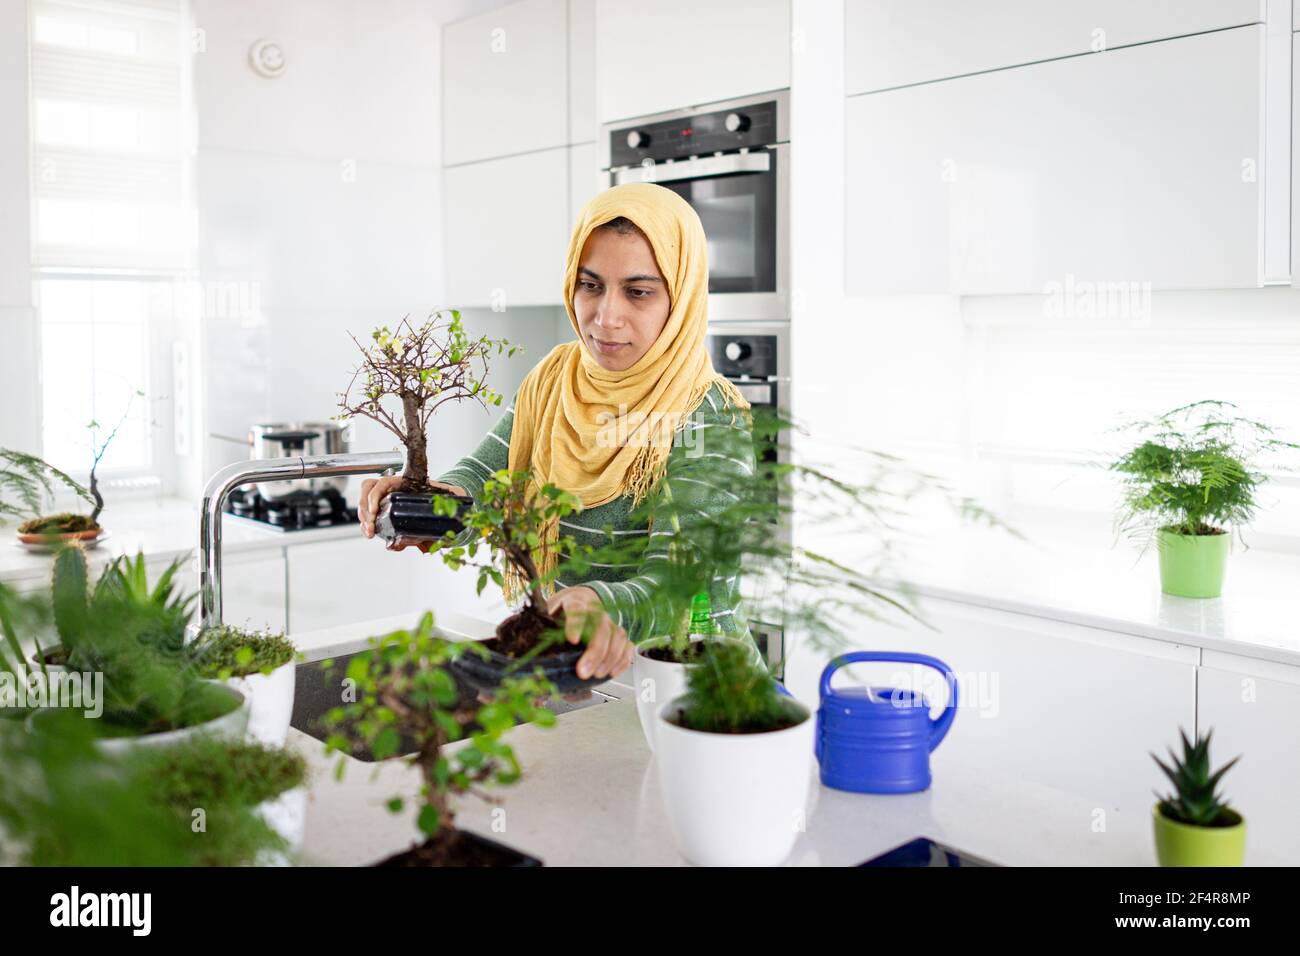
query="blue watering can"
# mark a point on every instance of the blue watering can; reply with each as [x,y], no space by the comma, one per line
[878,739]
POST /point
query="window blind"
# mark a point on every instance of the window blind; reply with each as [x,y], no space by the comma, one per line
[109,176]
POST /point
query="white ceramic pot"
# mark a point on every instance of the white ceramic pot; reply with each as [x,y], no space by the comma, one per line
[271,703]
[35,663]
[287,816]
[735,799]
[655,682]
[231,725]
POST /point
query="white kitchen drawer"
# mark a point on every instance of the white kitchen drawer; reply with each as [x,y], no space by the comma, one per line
[1140,166]
[507,230]
[344,582]
[253,586]
[1258,718]
[898,42]
[505,81]
[671,54]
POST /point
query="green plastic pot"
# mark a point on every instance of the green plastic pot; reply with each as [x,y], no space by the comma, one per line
[1192,565]
[1181,844]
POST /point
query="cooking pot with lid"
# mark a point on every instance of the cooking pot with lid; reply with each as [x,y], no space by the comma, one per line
[293,440]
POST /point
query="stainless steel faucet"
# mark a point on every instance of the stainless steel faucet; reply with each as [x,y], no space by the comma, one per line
[231,477]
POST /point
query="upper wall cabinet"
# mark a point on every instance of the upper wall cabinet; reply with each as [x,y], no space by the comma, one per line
[505,82]
[670,54]
[582,71]
[507,230]
[1136,165]
[896,42]
[1295,162]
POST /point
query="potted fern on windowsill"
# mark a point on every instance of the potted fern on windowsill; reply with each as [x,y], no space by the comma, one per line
[1189,483]
[1194,826]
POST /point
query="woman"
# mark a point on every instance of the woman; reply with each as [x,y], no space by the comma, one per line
[636,290]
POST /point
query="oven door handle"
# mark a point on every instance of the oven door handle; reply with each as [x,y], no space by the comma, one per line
[702,167]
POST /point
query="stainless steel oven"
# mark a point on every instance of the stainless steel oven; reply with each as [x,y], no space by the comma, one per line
[755,356]
[731,161]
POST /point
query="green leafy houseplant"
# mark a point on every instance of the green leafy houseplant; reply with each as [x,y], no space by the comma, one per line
[732,693]
[1194,826]
[134,635]
[407,701]
[1191,480]
[26,482]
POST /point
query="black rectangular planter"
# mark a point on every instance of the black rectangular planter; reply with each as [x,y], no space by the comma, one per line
[410,516]
[506,856]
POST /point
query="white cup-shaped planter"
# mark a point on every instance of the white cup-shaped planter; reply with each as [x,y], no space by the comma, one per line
[287,816]
[271,703]
[735,799]
[657,681]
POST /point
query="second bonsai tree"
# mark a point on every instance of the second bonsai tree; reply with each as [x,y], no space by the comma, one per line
[419,367]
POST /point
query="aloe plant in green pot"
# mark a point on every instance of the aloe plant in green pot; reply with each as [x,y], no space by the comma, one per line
[1194,826]
[1189,483]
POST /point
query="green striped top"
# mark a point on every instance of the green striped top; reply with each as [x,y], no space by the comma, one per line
[714,448]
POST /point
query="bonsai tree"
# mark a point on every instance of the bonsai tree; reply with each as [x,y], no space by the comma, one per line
[508,522]
[408,701]
[422,367]
[1195,803]
[1191,480]
[67,522]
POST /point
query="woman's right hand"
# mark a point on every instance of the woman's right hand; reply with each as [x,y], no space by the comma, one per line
[375,490]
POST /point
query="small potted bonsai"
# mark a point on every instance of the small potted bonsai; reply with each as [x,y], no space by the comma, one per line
[508,521]
[258,664]
[153,694]
[405,692]
[1194,826]
[53,529]
[735,759]
[1190,482]
[419,367]
[31,481]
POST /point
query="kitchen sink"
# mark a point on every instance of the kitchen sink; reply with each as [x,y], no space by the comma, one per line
[317,691]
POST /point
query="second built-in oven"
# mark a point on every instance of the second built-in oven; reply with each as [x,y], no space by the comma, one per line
[731,162]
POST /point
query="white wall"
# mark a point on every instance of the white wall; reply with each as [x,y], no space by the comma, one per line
[19,384]
[319,195]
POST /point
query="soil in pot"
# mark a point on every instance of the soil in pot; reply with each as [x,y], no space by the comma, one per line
[792,715]
[459,848]
[508,653]
[667,655]
[409,515]
[62,525]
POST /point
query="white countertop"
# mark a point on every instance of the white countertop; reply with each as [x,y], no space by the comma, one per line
[1085,578]
[164,530]
[589,796]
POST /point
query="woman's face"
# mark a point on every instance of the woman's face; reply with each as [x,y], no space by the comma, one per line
[621,299]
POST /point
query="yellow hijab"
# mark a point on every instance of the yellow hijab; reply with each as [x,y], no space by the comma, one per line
[600,434]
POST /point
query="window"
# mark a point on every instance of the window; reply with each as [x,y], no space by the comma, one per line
[113,225]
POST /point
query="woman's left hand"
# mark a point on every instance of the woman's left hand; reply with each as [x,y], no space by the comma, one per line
[609,652]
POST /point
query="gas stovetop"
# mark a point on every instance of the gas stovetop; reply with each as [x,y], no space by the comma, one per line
[298,511]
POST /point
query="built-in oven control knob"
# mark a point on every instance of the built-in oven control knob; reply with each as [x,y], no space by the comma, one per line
[736,351]
[637,139]
[737,122]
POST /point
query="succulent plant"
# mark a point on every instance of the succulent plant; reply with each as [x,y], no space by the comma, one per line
[1194,800]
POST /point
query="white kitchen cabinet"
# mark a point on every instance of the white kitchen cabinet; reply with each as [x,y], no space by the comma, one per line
[582,71]
[1253,708]
[506,227]
[892,43]
[671,54]
[505,82]
[585,178]
[1058,704]
[1295,159]
[253,586]
[343,582]
[1139,166]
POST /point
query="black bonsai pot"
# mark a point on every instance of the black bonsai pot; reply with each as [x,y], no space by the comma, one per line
[409,516]
[558,663]
[469,849]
